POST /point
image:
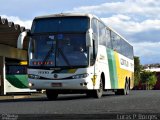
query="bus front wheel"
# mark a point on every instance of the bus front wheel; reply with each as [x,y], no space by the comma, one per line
[51,94]
[98,93]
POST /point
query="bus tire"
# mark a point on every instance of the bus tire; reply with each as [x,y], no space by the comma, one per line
[98,93]
[51,94]
[124,91]
[127,88]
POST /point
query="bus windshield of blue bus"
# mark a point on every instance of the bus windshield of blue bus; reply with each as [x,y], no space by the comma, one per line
[58,50]
[60,24]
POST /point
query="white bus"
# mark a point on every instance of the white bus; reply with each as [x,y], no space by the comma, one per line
[78,53]
[16,80]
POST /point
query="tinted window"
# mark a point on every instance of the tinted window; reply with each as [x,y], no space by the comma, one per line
[116,42]
[60,24]
[102,34]
[16,70]
[94,26]
[108,39]
[59,50]
[121,46]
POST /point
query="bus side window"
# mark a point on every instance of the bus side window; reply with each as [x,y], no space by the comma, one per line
[121,46]
[116,42]
[108,39]
[102,34]
[93,49]
[94,26]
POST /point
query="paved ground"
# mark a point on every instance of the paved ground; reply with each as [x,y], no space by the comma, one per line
[137,101]
[139,105]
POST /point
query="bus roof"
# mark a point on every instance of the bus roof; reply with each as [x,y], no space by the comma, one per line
[65,15]
[79,14]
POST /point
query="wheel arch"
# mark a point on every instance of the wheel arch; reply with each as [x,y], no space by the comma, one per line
[103,79]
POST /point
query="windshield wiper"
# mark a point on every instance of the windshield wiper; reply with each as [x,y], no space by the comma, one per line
[48,54]
[65,59]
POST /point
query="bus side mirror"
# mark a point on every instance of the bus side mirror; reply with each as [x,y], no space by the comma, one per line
[21,38]
[89,38]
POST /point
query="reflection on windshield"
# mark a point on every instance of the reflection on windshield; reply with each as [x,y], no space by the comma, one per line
[60,50]
[42,50]
[15,70]
[48,54]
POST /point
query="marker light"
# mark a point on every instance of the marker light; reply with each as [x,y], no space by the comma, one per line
[23,63]
[42,63]
[94,79]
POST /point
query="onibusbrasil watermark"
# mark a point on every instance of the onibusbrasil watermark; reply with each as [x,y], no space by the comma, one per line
[9,117]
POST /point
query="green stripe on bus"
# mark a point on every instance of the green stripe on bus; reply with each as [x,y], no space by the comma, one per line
[18,81]
[112,69]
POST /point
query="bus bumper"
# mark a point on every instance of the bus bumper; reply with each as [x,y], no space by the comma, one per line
[73,84]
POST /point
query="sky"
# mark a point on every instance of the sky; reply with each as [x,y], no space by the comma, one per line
[136,20]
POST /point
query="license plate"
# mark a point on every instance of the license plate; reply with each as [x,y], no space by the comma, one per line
[56,84]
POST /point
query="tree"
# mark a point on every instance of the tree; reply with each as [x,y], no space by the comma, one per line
[137,70]
[148,79]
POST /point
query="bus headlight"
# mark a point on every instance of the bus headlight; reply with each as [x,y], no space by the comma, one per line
[33,76]
[80,76]
[30,84]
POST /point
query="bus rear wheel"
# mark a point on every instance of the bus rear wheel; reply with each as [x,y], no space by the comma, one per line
[127,88]
[51,94]
[124,91]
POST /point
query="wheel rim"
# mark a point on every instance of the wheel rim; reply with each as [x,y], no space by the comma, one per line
[100,90]
[127,88]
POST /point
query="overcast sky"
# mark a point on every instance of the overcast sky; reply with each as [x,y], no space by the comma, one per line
[137,20]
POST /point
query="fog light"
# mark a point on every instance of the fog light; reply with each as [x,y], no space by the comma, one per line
[84,84]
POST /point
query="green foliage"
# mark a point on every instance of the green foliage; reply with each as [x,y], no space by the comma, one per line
[153,80]
[137,66]
[137,70]
[148,78]
[136,78]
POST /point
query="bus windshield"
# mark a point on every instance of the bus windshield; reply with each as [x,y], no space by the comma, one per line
[60,24]
[16,69]
[58,50]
